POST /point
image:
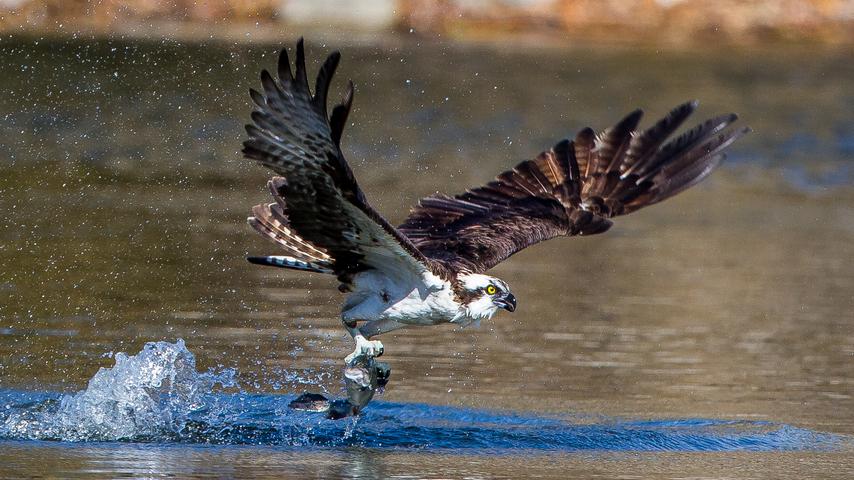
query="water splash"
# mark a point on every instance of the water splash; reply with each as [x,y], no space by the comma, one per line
[149,395]
[157,396]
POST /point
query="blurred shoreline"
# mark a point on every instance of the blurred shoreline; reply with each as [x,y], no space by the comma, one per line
[671,24]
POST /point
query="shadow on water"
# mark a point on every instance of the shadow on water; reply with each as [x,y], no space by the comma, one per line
[158,397]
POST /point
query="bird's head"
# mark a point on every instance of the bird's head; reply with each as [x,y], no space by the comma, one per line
[483,295]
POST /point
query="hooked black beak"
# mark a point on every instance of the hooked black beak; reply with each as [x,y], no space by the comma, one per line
[507,302]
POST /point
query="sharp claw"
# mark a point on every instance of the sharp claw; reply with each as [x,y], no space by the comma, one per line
[348,360]
[365,347]
[376,348]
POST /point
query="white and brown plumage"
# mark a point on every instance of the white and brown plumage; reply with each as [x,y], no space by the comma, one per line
[431,269]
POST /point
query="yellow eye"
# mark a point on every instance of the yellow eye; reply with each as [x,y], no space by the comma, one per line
[491,289]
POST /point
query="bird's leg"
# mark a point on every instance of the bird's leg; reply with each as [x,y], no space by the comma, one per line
[378,327]
[372,348]
[364,346]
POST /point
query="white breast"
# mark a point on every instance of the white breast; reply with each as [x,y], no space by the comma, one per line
[427,300]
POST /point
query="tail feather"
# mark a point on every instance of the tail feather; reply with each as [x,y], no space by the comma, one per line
[266,225]
[271,221]
[276,185]
[283,261]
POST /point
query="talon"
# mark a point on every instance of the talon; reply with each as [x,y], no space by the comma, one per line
[368,348]
[348,360]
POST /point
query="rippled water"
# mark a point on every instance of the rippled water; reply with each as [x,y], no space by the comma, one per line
[717,326]
[158,396]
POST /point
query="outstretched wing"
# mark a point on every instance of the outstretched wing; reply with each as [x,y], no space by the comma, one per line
[572,189]
[322,203]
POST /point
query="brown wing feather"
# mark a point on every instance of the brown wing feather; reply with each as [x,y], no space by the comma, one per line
[292,135]
[572,189]
[271,221]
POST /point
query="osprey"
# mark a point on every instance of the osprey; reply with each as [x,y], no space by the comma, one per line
[431,269]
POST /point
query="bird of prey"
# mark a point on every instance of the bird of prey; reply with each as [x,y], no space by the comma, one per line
[432,268]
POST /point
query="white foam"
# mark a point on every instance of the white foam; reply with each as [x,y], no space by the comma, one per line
[148,394]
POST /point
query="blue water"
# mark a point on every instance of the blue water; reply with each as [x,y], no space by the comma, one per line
[158,397]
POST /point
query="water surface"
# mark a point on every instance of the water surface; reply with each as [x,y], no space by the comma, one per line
[729,306]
